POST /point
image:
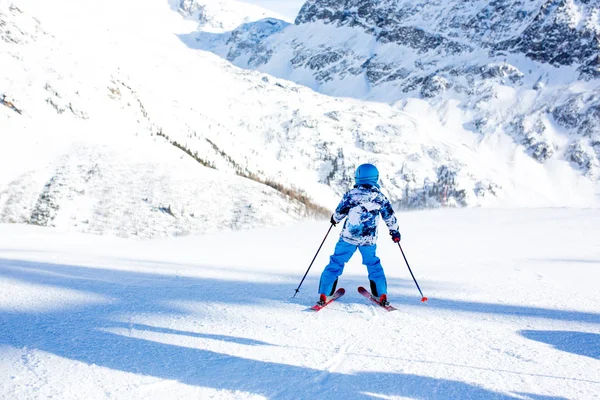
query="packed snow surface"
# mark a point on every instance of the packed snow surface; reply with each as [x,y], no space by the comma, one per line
[513,313]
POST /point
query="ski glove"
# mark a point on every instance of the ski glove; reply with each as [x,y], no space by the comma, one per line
[332,220]
[395,236]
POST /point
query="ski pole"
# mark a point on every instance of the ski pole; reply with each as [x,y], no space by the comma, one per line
[423,298]
[313,260]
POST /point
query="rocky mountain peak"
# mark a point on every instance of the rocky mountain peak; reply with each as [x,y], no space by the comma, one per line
[558,32]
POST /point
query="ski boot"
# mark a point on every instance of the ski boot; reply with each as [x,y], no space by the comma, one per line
[383,300]
[322,300]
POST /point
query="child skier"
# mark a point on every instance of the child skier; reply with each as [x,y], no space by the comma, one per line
[361,205]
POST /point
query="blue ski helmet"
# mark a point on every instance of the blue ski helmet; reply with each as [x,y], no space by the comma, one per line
[367,174]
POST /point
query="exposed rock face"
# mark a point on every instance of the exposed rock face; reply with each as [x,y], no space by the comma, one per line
[562,33]
[559,32]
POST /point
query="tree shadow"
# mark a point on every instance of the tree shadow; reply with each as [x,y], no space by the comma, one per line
[566,260]
[580,343]
[170,331]
[541,396]
[502,309]
[110,282]
[145,286]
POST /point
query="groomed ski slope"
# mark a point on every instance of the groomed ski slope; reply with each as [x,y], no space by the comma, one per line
[513,313]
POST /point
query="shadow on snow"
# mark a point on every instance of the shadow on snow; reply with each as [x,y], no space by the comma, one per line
[80,333]
[501,309]
[580,343]
[541,397]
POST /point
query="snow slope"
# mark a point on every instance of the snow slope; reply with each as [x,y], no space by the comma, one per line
[513,313]
[86,139]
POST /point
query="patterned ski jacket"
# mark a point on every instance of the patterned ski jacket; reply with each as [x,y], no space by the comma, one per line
[362,205]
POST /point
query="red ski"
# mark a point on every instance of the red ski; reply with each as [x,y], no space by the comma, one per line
[374,299]
[338,293]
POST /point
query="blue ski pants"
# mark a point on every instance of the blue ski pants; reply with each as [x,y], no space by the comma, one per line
[342,254]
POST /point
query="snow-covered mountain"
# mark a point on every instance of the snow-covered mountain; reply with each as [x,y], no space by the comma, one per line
[525,69]
[110,124]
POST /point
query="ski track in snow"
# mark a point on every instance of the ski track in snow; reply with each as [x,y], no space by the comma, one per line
[512,313]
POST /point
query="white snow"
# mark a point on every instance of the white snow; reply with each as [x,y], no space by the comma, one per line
[513,313]
[514,305]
